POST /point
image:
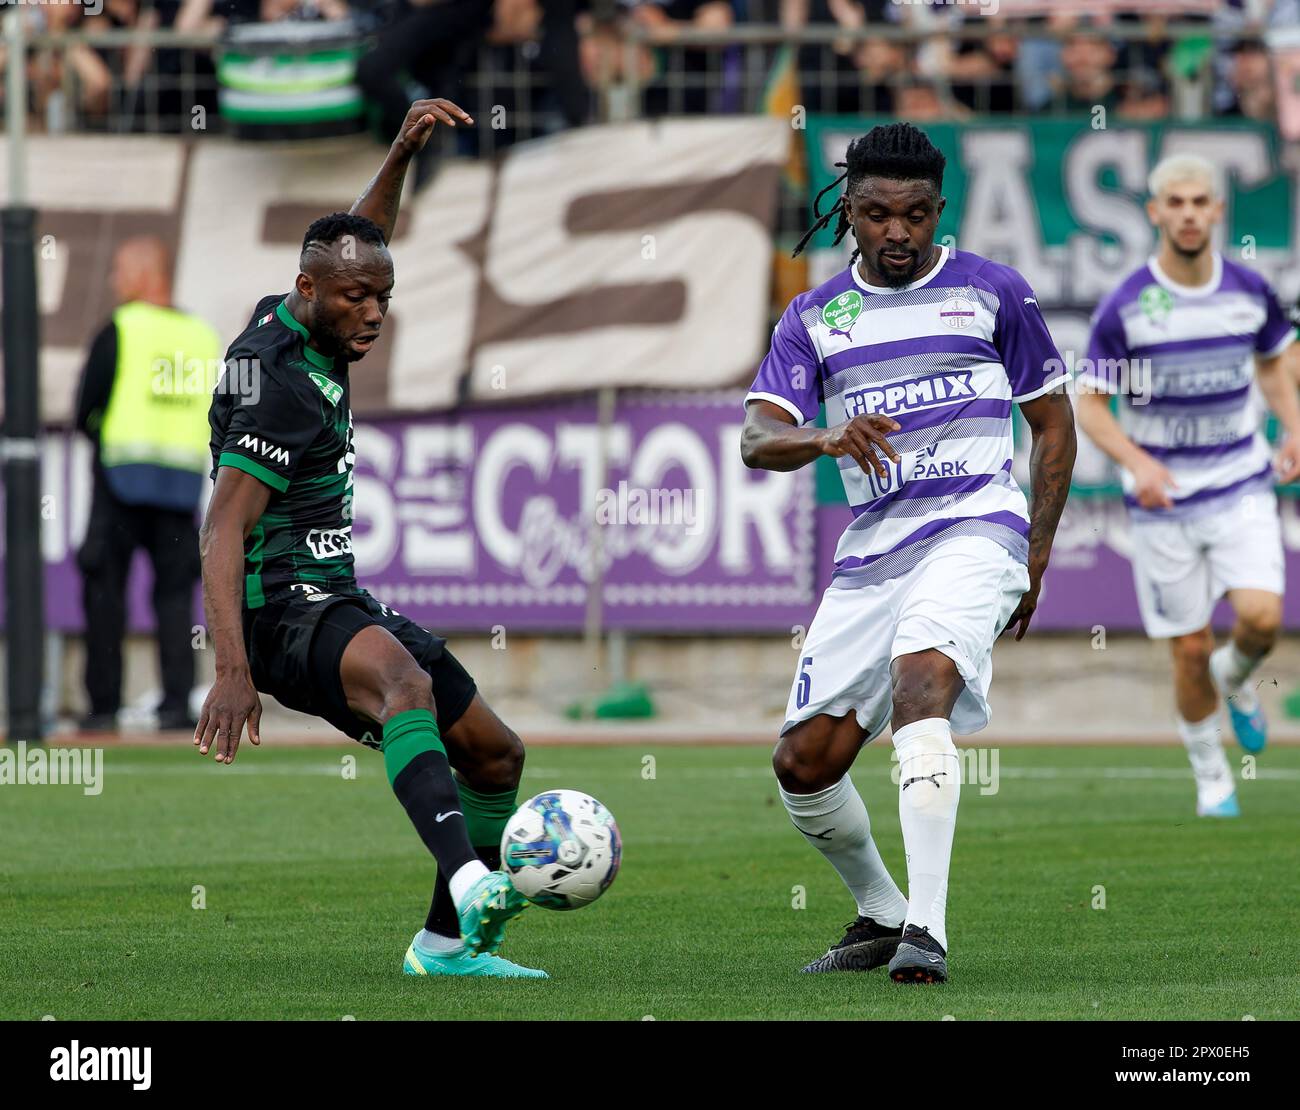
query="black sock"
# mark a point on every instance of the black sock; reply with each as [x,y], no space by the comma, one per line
[443,918]
[427,792]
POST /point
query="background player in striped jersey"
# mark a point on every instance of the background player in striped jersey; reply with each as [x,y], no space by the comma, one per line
[1190,342]
[918,353]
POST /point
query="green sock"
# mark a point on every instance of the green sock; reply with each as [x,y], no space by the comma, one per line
[486,814]
[406,736]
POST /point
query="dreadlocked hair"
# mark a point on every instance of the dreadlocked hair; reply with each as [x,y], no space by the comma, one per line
[328,230]
[897,151]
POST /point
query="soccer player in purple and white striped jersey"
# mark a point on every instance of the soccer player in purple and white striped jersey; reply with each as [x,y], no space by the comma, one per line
[1191,343]
[919,353]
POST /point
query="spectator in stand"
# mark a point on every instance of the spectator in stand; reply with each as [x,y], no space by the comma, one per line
[1096,73]
[1284,59]
[46,69]
[1250,80]
[849,76]
[1038,62]
[1087,80]
[434,42]
[983,71]
[883,67]
[94,81]
[828,79]
[917,101]
[604,57]
[683,85]
[147,81]
[1145,62]
[215,15]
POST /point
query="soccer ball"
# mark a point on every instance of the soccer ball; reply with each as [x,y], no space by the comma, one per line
[561,849]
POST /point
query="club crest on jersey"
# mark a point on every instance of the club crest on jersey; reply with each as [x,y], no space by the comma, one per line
[332,390]
[957,313]
[840,314]
[928,392]
[1156,304]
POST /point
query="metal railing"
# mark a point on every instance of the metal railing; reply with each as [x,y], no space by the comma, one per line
[874,69]
[860,68]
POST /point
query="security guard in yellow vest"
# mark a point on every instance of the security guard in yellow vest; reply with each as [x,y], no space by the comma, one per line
[143,402]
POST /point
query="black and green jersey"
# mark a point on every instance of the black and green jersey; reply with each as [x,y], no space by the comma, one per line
[281,413]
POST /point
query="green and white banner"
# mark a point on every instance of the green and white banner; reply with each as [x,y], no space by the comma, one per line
[1062,200]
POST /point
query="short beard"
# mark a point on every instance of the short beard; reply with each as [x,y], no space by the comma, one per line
[898,281]
[895,280]
[1189,255]
[330,338]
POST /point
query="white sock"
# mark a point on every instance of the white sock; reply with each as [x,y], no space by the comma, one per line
[465,877]
[1232,668]
[929,787]
[834,821]
[437,943]
[1209,764]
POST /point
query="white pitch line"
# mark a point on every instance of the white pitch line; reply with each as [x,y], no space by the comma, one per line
[1280,774]
[146,771]
[325,770]
[1286,774]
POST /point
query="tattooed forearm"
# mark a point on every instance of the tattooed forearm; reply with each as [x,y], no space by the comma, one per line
[1051,418]
[380,200]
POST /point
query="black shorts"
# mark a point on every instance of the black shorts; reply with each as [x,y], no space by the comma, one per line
[295,644]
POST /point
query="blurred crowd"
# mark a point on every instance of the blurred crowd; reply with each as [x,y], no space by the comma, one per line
[1032,56]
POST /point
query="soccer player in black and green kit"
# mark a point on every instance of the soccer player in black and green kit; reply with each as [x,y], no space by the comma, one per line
[284,609]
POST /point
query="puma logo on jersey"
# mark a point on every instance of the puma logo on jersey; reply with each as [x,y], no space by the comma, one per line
[266,449]
[1030,300]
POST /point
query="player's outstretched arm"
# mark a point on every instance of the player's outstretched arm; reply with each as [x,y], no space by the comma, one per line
[382,197]
[1051,462]
[1277,379]
[238,501]
[770,440]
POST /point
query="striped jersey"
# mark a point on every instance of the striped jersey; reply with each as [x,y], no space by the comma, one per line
[1182,361]
[945,357]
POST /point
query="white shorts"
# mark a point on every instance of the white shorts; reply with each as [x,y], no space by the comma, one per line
[956,600]
[1182,568]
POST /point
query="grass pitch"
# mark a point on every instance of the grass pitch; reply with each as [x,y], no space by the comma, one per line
[314,884]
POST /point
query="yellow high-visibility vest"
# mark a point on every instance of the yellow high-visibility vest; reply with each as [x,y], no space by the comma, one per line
[168,363]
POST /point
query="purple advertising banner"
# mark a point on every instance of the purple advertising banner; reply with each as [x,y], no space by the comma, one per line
[469,520]
[474,519]
[480,520]
[1090,580]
